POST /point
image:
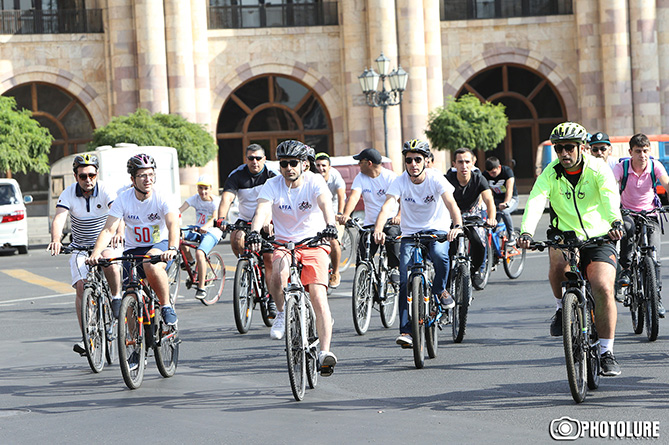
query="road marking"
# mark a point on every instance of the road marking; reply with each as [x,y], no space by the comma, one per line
[29,277]
[45,297]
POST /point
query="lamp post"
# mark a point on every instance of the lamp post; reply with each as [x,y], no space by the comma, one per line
[383,98]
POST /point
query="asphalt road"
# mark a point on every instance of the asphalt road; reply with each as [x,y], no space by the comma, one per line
[505,383]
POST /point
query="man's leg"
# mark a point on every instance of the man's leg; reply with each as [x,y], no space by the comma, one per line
[556,275]
[335,258]
[237,239]
[278,280]
[656,240]
[404,339]
[440,259]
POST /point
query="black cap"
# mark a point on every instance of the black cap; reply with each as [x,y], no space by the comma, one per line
[599,137]
[369,154]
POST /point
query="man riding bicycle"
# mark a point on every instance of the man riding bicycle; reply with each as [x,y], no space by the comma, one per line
[502,184]
[638,194]
[583,198]
[87,201]
[428,207]
[151,228]
[300,206]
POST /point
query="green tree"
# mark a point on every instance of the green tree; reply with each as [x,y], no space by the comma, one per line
[467,122]
[194,145]
[24,143]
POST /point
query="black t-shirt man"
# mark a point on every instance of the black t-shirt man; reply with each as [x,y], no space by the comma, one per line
[498,184]
[467,196]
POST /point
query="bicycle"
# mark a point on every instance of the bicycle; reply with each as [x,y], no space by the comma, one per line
[214,278]
[372,284]
[250,288]
[98,326]
[348,243]
[141,328]
[579,335]
[642,295]
[460,287]
[301,335]
[481,276]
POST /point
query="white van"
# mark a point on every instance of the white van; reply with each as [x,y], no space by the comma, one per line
[113,172]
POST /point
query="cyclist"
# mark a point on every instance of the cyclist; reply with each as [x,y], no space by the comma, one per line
[337,188]
[205,205]
[470,188]
[584,198]
[87,201]
[151,228]
[372,183]
[639,194]
[300,206]
[600,147]
[502,183]
[428,206]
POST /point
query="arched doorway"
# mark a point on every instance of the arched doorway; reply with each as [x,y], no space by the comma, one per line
[267,110]
[533,106]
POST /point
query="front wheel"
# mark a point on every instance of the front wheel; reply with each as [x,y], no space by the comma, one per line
[243,295]
[174,279]
[93,328]
[575,346]
[514,261]
[362,301]
[295,348]
[418,293]
[462,294]
[214,279]
[651,299]
[131,352]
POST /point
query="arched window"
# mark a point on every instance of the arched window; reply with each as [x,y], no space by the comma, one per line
[267,110]
[533,107]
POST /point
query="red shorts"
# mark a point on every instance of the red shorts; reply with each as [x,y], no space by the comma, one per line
[315,263]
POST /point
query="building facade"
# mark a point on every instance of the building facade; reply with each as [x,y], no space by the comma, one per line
[259,72]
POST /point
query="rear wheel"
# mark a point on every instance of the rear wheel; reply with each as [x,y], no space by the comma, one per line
[575,346]
[594,354]
[637,307]
[651,299]
[418,291]
[111,334]
[431,329]
[174,279]
[362,298]
[131,352]
[295,354]
[462,294]
[214,279]
[389,303]
[348,243]
[312,354]
[480,277]
[93,328]
[243,295]
[514,261]
[167,348]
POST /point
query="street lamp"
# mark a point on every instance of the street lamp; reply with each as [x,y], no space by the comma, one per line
[369,82]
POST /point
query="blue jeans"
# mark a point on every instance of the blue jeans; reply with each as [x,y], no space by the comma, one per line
[438,253]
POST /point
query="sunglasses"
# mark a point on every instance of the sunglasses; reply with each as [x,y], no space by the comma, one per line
[417,160]
[566,147]
[292,163]
[146,176]
[84,176]
[254,158]
[598,149]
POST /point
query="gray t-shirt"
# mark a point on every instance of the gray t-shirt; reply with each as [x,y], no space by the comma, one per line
[335,183]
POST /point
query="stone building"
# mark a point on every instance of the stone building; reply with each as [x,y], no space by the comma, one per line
[263,71]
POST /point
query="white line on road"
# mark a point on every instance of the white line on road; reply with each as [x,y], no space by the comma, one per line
[45,297]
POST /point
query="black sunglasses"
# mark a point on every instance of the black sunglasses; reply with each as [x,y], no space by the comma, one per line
[292,163]
[598,149]
[254,158]
[568,147]
[84,176]
[417,160]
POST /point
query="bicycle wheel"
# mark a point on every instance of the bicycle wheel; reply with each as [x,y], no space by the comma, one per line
[637,307]
[264,309]
[348,243]
[418,291]
[389,303]
[166,349]
[362,298]
[480,277]
[174,279]
[243,295]
[594,354]
[93,328]
[214,279]
[462,294]
[431,328]
[651,299]
[312,353]
[575,346]
[514,261]
[131,352]
[295,348]
[111,333]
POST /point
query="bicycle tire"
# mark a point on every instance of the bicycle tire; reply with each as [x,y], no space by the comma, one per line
[295,353]
[264,309]
[348,243]
[131,340]
[214,279]
[480,279]
[312,354]
[166,349]
[388,306]
[243,295]
[651,299]
[462,294]
[594,354]
[174,279]
[363,299]
[575,346]
[92,328]
[637,308]
[418,291]
[431,328]
[514,261]
[111,333]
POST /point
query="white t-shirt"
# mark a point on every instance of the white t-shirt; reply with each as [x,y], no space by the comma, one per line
[422,206]
[335,182]
[295,211]
[144,220]
[373,191]
[87,215]
[204,210]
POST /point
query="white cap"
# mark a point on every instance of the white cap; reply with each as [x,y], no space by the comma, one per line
[205,180]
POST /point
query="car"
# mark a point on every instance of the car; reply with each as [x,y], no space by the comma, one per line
[13,217]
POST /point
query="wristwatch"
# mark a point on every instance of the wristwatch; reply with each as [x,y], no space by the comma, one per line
[173,248]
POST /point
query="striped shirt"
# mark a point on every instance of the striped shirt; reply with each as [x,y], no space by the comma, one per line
[87,215]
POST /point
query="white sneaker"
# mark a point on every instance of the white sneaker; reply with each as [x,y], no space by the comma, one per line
[278,329]
[327,361]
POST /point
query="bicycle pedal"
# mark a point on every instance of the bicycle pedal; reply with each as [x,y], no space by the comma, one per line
[406,346]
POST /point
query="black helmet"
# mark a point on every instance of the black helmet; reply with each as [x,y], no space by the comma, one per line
[292,149]
[140,161]
[418,146]
[311,153]
[85,159]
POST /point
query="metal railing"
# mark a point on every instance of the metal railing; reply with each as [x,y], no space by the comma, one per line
[62,21]
[494,9]
[272,16]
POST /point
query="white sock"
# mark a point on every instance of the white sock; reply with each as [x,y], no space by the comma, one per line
[166,305]
[558,302]
[606,344]
[116,297]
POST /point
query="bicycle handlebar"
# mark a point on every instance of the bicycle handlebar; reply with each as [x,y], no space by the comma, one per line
[663,209]
[153,259]
[568,244]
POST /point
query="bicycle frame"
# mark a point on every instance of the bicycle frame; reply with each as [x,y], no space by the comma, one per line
[380,267]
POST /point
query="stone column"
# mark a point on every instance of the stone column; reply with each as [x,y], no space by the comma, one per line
[122,58]
[617,69]
[663,55]
[180,66]
[151,56]
[645,67]
[434,68]
[590,67]
[201,65]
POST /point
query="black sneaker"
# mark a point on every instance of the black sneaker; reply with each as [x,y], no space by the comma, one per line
[609,364]
[556,324]
[116,306]
[133,361]
[271,309]
[79,349]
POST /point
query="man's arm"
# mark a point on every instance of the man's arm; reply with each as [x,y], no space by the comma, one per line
[508,195]
[263,213]
[173,235]
[104,237]
[536,202]
[456,215]
[489,201]
[57,230]
[379,235]
[325,204]
[352,201]
[224,206]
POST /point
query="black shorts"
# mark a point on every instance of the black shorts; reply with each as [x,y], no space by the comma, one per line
[606,253]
